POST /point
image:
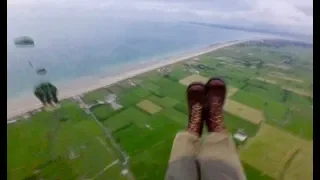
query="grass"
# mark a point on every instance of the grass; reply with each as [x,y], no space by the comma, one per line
[102,112]
[250,114]
[141,92]
[300,166]
[162,128]
[116,89]
[263,148]
[272,109]
[264,89]
[175,115]
[45,143]
[233,123]
[129,99]
[153,162]
[113,172]
[150,86]
[129,143]
[149,106]
[179,73]
[125,117]
[171,89]
[301,124]
[182,106]
[193,78]
[93,96]
[278,114]
[252,173]
[164,102]
[296,99]
[133,96]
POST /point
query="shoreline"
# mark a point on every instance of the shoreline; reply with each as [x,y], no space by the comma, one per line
[19,106]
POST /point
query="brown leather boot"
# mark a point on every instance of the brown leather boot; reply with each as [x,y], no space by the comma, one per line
[216,94]
[196,99]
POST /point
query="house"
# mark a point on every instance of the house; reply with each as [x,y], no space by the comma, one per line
[11,121]
[26,116]
[111,99]
[100,102]
[240,135]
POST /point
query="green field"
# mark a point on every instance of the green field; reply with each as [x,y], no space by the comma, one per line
[163,101]
[92,97]
[73,148]
[102,112]
[254,173]
[271,108]
[68,143]
[234,123]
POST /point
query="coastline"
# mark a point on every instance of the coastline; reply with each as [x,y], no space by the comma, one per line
[18,106]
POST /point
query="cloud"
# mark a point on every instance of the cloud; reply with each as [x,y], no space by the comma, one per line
[286,15]
[290,15]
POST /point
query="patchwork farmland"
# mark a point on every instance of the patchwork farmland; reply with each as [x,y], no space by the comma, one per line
[125,131]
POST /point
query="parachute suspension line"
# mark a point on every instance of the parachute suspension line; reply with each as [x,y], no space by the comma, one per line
[30,64]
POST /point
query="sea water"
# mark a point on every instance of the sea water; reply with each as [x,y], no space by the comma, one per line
[89,48]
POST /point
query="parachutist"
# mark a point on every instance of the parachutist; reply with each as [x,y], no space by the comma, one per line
[40,96]
[47,94]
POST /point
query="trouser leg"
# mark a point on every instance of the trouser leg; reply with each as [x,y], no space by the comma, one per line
[218,158]
[183,163]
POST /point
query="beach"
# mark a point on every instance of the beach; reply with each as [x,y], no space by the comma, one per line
[18,106]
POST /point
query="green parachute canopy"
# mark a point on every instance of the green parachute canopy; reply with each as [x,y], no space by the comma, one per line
[41,71]
[24,41]
[46,93]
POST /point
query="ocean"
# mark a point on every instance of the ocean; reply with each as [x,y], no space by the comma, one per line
[90,48]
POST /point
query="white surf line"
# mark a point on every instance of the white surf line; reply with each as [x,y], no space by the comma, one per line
[105,169]
[103,144]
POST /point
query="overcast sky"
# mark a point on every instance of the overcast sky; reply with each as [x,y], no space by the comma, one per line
[285,15]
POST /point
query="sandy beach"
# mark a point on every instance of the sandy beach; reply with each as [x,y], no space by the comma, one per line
[18,106]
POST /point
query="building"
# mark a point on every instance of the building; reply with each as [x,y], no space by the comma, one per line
[26,116]
[131,83]
[100,102]
[111,99]
[11,121]
[240,135]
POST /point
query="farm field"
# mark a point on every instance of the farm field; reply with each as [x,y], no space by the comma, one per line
[282,156]
[76,147]
[126,130]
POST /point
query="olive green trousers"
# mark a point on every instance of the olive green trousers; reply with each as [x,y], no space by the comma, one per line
[215,158]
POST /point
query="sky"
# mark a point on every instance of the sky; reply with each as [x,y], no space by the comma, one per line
[294,16]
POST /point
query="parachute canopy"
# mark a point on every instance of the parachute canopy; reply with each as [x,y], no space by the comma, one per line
[46,87]
[46,93]
[41,71]
[24,41]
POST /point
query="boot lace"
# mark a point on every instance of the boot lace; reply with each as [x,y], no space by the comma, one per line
[216,114]
[195,117]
